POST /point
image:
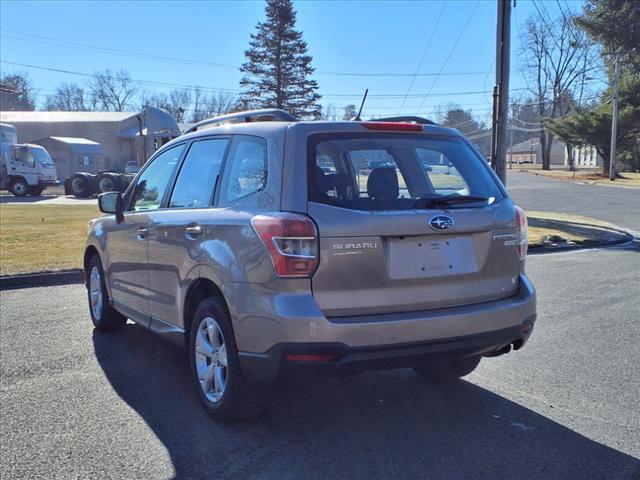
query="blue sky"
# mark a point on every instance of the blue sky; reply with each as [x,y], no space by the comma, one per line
[360,37]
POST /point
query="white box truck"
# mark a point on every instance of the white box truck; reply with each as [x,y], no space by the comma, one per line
[25,169]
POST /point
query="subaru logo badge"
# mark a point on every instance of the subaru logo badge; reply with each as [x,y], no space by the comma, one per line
[441,222]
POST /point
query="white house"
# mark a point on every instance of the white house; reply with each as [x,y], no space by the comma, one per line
[530,151]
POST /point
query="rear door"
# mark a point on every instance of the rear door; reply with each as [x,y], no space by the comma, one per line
[177,231]
[384,247]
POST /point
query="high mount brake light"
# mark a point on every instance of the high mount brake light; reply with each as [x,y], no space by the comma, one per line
[291,240]
[393,126]
[523,241]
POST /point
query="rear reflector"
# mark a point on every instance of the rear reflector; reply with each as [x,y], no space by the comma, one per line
[291,240]
[309,357]
[393,126]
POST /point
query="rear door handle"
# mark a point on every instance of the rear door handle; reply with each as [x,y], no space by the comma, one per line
[192,231]
[142,233]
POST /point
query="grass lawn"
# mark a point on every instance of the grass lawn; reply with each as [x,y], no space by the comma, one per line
[36,238]
[43,237]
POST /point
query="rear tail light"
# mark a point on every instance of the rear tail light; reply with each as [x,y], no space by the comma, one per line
[395,126]
[523,242]
[291,240]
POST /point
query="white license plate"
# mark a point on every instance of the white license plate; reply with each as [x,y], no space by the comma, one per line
[432,256]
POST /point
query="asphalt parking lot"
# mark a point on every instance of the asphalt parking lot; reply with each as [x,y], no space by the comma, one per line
[617,205]
[79,404]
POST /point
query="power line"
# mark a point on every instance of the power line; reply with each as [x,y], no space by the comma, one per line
[190,61]
[116,51]
[155,83]
[96,75]
[424,53]
[453,47]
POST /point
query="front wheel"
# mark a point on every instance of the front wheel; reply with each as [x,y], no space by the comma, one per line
[19,187]
[449,371]
[104,317]
[224,392]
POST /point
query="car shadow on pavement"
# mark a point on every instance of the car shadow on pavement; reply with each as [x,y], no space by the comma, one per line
[381,424]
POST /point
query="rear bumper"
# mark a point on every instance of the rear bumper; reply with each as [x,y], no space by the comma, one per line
[274,364]
[373,341]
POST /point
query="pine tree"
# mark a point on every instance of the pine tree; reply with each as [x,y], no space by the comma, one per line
[278,69]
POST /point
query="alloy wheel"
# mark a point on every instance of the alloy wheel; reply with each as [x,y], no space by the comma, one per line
[211,359]
[95,292]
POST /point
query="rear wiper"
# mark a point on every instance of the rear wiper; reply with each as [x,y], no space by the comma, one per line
[435,200]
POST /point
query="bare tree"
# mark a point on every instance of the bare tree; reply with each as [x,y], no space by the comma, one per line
[330,112]
[199,98]
[111,91]
[180,100]
[16,92]
[176,102]
[68,97]
[558,59]
[350,112]
[220,103]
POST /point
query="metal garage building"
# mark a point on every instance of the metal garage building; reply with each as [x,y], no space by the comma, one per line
[72,155]
[124,136]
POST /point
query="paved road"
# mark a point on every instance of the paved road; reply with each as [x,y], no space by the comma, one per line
[618,205]
[79,404]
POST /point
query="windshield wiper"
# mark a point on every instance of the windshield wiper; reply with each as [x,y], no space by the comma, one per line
[437,200]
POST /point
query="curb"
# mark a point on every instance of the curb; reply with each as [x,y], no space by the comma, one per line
[625,237]
[41,279]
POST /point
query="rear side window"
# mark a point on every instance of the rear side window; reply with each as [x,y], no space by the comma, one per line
[152,184]
[245,169]
[397,172]
[197,178]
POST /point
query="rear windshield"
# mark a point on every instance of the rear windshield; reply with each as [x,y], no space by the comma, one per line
[398,172]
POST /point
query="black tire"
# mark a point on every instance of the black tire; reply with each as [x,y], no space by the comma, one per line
[82,185]
[240,398]
[108,182]
[104,317]
[35,191]
[449,371]
[125,180]
[19,187]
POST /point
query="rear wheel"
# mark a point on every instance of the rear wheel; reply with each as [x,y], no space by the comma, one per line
[104,317]
[108,182]
[19,187]
[224,392]
[449,371]
[81,185]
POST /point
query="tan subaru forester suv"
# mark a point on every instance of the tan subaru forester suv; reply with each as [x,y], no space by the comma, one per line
[283,248]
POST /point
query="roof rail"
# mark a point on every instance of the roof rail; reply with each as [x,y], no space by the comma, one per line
[418,120]
[245,117]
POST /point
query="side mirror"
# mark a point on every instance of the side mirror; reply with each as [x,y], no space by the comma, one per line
[111,202]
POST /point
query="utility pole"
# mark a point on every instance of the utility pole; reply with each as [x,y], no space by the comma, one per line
[614,116]
[501,104]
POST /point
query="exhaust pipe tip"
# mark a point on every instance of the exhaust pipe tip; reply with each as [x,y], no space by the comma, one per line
[500,351]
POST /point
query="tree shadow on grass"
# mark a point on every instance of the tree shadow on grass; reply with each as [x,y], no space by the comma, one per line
[377,425]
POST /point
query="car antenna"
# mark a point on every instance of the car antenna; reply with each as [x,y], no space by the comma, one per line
[357,117]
